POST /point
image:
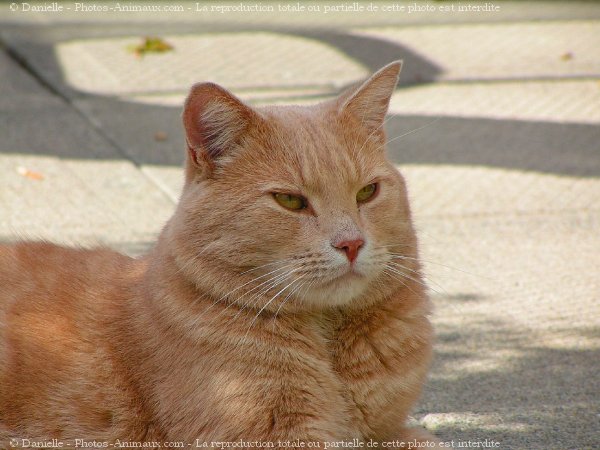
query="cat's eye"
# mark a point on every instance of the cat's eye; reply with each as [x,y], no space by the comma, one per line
[291,201]
[366,193]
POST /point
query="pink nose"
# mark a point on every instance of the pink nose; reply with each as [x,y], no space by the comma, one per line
[351,248]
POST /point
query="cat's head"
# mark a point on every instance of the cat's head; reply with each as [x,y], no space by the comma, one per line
[292,204]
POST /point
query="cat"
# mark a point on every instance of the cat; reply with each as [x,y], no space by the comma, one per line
[283,301]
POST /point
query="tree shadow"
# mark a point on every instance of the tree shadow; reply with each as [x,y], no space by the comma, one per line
[563,149]
[558,148]
[537,397]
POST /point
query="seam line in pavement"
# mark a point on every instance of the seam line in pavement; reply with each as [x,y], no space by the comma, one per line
[516,80]
[27,67]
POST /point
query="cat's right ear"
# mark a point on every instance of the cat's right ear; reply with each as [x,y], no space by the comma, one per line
[215,121]
[369,103]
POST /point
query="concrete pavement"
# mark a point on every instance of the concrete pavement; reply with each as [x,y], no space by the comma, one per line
[504,172]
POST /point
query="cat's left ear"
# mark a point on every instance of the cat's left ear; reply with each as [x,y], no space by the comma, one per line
[369,103]
[215,122]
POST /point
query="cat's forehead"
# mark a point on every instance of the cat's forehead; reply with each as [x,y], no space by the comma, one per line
[314,145]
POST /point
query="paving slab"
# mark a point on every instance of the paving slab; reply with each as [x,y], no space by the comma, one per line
[62,180]
[60,54]
[537,51]
[552,101]
[107,67]
[474,191]
[504,51]
[91,203]
[518,324]
[34,121]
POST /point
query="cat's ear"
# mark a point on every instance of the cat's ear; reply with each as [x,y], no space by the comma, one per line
[370,101]
[214,121]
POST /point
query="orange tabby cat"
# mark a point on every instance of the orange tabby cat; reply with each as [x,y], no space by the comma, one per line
[283,300]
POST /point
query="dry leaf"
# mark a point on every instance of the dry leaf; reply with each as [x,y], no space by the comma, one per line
[566,56]
[160,136]
[150,45]
[31,174]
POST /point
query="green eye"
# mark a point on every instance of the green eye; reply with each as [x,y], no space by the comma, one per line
[290,201]
[366,193]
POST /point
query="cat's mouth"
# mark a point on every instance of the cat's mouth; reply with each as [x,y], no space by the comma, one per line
[346,276]
[340,287]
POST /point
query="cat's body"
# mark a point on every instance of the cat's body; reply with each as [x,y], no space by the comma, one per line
[257,316]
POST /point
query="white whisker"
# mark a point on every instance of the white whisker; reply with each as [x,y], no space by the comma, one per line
[390,274]
[402,268]
[275,271]
[413,131]
[269,302]
[292,292]
[399,272]
[271,283]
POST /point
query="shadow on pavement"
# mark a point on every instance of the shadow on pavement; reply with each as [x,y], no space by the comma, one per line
[536,394]
[559,148]
[564,149]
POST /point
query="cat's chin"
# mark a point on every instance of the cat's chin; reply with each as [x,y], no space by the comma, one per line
[339,291]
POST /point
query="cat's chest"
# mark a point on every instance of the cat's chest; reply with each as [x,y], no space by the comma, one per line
[314,371]
[377,360]
[361,363]
[276,374]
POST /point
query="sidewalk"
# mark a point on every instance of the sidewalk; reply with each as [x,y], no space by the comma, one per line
[504,174]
